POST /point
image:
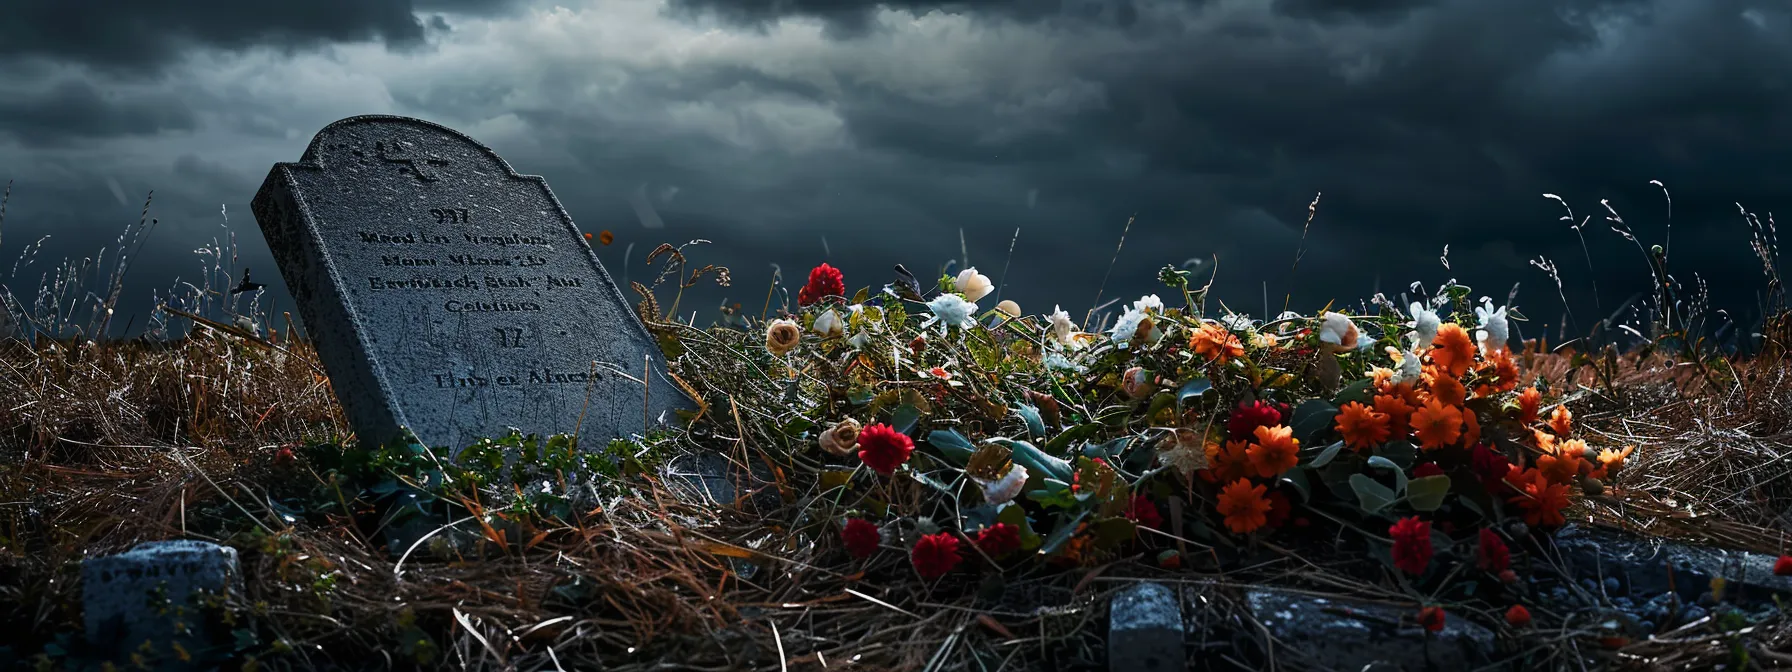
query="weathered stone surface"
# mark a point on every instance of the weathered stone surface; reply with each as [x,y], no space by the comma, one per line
[448,294]
[1145,630]
[1642,566]
[148,594]
[1317,633]
[715,478]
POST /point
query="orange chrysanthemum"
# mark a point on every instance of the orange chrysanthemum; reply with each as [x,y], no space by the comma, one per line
[1244,506]
[1228,462]
[1214,343]
[1471,428]
[1542,501]
[1528,402]
[1454,349]
[1399,414]
[1562,421]
[1381,378]
[1560,467]
[1275,452]
[1437,425]
[1610,461]
[1444,387]
[1501,371]
[1362,427]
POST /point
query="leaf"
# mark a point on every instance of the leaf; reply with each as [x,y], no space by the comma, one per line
[1112,532]
[1036,460]
[1427,494]
[1114,416]
[1194,390]
[859,298]
[1035,425]
[1297,479]
[1159,402]
[952,445]
[1372,496]
[835,478]
[1060,444]
[1326,456]
[905,418]
[1052,493]
[1312,418]
[1017,516]
[796,426]
[1357,391]
[1065,530]
[1400,453]
[1107,451]
[1336,477]
[1399,473]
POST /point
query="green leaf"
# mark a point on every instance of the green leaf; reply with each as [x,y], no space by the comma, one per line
[1035,425]
[1017,516]
[1193,391]
[1326,456]
[1036,460]
[952,445]
[796,426]
[1427,494]
[1357,391]
[1400,453]
[1065,529]
[1336,477]
[859,298]
[1107,451]
[1052,493]
[1060,444]
[1372,496]
[1312,418]
[1297,479]
[1112,532]
[1114,416]
[904,419]
[1399,473]
[1159,402]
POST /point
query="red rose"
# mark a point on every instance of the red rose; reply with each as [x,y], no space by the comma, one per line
[861,537]
[1493,555]
[1144,513]
[1249,416]
[999,539]
[884,449]
[1412,545]
[935,554]
[824,281]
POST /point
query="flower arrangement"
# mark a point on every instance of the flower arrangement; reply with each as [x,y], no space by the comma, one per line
[977,439]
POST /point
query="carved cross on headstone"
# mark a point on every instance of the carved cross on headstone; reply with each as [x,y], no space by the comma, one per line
[394,153]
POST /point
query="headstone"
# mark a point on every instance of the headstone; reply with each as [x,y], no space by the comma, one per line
[147,594]
[450,295]
[1308,632]
[1145,630]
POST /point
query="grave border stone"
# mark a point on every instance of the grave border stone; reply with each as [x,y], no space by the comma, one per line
[317,284]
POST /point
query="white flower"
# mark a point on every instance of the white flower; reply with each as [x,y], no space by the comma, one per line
[829,324]
[1424,323]
[1406,365]
[1061,325]
[1008,307]
[1337,330]
[1056,361]
[973,285]
[1148,303]
[1126,327]
[1494,329]
[1236,321]
[859,340]
[1006,488]
[951,310]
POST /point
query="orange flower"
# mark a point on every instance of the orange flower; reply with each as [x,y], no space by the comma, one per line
[1276,451]
[1610,461]
[1471,428]
[1528,401]
[1502,370]
[1381,378]
[1244,506]
[1437,425]
[1215,343]
[1444,387]
[1399,414]
[1455,350]
[1361,426]
[1542,501]
[1229,463]
[1562,421]
[1561,467]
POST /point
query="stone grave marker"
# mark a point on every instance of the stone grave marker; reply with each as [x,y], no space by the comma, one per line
[450,295]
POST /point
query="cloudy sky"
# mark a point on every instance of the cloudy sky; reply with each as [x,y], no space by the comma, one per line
[871,133]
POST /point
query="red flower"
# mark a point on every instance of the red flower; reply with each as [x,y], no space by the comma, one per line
[1518,616]
[824,281]
[884,449]
[1279,509]
[1427,469]
[1169,559]
[1412,545]
[935,554]
[1249,416]
[999,539]
[1509,577]
[1144,513]
[861,537]
[1783,566]
[1432,618]
[1493,555]
[1490,465]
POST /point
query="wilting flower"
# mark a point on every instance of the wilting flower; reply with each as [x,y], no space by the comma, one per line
[1518,616]
[935,554]
[829,324]
[1008,307]
[1061,326]
[999,539]
[824,281]
[1335,329]
[1005,489]
[1424,324]
[1183,451]
[1056,361]
[1493,330]
[782,336]
[1244,506]
[951,311]
[1137,383]
[861,537]
[1493,555]
[1236,321]
[1275,452]
[1410,365]
[1431,619]
[884,449]
[973,285]
[841,439]
[1412,545]
[1362,427]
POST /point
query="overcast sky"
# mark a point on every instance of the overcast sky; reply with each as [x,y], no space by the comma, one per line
[872,133]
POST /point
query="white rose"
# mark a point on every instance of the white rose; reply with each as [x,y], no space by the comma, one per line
[829,324]
[973,285]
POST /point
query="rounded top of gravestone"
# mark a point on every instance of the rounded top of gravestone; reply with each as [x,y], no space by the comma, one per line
[423,149]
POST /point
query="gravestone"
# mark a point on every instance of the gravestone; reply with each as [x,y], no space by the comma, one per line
[149,593]
[450,295]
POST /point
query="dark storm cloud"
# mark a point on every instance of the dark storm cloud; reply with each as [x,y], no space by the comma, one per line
[146,34]
[74,109]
